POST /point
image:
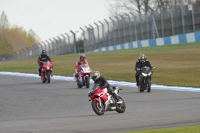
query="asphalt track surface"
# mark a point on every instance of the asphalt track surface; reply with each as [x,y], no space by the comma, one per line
[29,106]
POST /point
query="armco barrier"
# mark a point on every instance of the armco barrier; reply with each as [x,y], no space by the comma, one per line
[177,39]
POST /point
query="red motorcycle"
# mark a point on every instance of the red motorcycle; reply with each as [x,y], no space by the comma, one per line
[102,101]
[84,76]
[47,68]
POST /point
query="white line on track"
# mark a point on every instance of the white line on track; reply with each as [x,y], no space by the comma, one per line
[120,83]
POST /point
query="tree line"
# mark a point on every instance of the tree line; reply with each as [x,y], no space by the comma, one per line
[14,38]
[117,7]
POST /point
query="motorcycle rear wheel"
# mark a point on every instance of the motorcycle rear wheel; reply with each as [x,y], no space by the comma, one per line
[99,110]
[120,108]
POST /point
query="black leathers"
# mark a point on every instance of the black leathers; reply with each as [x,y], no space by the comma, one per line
[103,83]
[42,58]
[140,65]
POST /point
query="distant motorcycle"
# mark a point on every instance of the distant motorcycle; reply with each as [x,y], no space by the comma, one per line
[84,76]
[102,101]
[145,79]
[47,68]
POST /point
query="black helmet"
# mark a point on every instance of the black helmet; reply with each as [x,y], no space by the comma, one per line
[95,75]
[142,58]
[82,56]
[43,52]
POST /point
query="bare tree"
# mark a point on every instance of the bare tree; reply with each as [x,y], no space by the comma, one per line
[117,7]
[163,4]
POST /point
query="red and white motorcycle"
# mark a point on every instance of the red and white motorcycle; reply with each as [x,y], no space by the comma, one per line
[84,76]
[102,101]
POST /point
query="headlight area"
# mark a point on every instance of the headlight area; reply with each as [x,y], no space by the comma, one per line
[144,74]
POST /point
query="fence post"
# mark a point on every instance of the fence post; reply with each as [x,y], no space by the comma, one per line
[93,36]
[74,34]
[118,30]
[64,42]
[68,42]
[56,45]
[161,19]
[154,27]
[135,29]
[53,48]
[49,47]
[123,28]
[193,19]
[182,15]
[129,23]
[172,19]
[97,42]
[60,49]
[113,30]
[103,33]
[108,33]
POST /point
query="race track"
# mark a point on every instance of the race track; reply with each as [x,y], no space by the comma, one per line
[29,106]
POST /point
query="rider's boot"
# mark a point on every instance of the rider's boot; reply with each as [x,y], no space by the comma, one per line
[137,83]
[119,101]
[76,76]
[39,72]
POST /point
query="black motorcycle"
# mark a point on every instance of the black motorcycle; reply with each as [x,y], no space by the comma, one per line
[145,79]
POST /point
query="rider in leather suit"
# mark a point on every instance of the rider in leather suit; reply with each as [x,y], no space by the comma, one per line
[141,62]
[103,83]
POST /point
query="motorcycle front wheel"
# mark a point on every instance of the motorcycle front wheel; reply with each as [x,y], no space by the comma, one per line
[48,77]
[120,108]
[141,86]
[148,85]
[98,108]
[87,82]
[43,79]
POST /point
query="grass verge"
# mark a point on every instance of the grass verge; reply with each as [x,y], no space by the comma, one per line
[187,129]
[176,65]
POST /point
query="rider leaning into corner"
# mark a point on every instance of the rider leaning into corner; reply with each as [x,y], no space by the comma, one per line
[141,62]
[82,60]
[103,83]
[43,57]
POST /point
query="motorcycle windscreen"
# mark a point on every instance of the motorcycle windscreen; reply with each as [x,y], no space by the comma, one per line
[146,69]
[93,89]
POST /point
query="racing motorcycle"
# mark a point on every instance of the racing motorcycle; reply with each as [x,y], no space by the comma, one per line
[84,76]
[102,101]
[47,68]
[145,79]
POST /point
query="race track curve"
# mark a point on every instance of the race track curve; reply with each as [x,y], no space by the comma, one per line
[29,106]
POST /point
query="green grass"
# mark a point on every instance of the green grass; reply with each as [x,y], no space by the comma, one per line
[187,129]
[176,65]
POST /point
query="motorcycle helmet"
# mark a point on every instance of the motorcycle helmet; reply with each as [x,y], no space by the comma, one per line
[95,75]
[142,58]
[43,52]
[82,57]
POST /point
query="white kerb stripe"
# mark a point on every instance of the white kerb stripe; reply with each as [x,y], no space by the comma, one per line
[190,37]
[174,40]
[145,43]
[160,41]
